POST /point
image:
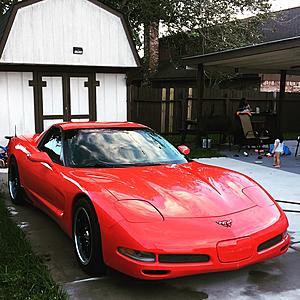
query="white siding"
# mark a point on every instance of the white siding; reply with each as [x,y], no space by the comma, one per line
[79,95]
[47,31]
[16,104]
[111,97]
[53,96]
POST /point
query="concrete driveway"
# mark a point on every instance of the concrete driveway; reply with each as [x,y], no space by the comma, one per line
[274,279]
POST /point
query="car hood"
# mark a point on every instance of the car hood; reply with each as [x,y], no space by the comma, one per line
[186,190]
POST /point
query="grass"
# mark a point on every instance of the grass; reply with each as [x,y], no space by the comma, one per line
[196,150]
[23,276]
[290,135]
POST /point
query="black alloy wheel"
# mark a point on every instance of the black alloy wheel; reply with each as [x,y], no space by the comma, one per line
[87,238]
[14,185]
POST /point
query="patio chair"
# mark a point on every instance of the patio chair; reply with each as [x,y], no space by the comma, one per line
[250,137]
[298,142]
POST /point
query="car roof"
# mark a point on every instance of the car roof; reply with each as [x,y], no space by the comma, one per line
[91,125]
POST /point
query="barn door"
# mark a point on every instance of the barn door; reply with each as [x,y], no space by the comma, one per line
[52,100]
[81,100]
[64,97]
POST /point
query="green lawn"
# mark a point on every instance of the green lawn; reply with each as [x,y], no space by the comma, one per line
[22,274]
[196,150]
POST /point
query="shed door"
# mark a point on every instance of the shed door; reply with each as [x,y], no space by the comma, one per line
[52,100]
[65,97]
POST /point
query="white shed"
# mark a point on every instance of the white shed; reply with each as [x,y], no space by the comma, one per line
[63,60]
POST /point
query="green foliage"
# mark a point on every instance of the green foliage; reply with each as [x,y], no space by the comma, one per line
[22,274]
[5,5]
[213,23]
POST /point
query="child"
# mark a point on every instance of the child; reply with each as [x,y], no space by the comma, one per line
[278,151]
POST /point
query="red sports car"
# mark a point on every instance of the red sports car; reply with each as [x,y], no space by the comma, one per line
[131,201]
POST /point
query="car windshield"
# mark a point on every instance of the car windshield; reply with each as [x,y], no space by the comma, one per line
[109,148]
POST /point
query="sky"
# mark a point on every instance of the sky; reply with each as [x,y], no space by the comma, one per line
[284,4]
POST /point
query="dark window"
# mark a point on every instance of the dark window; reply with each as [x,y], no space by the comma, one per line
[52,145]
[118,148]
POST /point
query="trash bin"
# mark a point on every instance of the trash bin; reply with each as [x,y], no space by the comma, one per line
[206,143]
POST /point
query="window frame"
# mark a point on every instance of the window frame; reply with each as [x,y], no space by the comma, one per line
[46,139]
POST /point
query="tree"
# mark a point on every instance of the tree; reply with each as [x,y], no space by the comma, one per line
[213,24]
[5,5]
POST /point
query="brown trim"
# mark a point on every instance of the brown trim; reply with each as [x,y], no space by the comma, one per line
[80,117]
[37,85]
[58,69]
[66,97]
[53,117]
[91,84]
[129,101]
[25,3]
[93,96]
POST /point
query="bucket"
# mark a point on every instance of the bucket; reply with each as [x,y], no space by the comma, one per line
[206,143]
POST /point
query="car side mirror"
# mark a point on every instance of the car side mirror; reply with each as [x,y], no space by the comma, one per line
[41,157]
[185,150]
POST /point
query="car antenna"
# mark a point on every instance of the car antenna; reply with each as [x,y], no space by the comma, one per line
[15,130]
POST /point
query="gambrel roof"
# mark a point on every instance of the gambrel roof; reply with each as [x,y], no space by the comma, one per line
[8,19]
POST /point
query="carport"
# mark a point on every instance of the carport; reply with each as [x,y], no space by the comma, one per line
[277,57]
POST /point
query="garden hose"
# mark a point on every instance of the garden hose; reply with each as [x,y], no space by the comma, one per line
[290,202]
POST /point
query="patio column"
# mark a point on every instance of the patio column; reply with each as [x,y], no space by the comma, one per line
[281,98]
[200,95]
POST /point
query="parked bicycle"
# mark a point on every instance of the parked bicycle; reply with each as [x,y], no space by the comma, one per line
[3,157]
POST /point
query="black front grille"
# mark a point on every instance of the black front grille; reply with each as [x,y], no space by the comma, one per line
[268,244]
[183,258]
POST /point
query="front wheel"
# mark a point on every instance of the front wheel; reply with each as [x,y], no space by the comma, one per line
[87,238]
[14,186]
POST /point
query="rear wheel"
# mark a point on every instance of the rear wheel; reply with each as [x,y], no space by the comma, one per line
[14,185]
[87,238]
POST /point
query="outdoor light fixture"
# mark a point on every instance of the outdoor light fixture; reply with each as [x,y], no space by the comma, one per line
[77,50]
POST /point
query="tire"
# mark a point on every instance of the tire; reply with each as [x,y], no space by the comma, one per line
[16,192]
[87,238]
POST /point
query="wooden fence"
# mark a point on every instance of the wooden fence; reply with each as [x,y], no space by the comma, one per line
[167,109]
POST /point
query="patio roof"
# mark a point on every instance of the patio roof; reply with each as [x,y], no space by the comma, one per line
[270,57]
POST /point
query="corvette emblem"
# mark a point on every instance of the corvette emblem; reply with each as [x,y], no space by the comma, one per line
[226,223]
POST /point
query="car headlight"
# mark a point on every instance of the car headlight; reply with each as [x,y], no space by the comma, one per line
[137,255]
[258,196]
[138,211]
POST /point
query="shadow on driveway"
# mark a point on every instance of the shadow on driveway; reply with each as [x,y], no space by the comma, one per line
[274,279]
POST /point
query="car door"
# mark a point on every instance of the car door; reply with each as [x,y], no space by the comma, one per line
[46,182]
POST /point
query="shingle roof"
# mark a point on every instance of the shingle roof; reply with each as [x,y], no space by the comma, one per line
[286,24]
[4,20]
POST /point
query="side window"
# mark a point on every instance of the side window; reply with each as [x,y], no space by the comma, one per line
[52,145]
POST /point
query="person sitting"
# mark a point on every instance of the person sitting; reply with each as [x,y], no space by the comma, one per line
[244,107]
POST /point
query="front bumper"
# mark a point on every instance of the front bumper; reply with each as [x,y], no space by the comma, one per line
[194,236]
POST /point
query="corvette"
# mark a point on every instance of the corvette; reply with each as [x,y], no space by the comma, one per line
[131,201]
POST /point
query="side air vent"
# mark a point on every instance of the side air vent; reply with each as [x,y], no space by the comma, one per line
[270,243]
